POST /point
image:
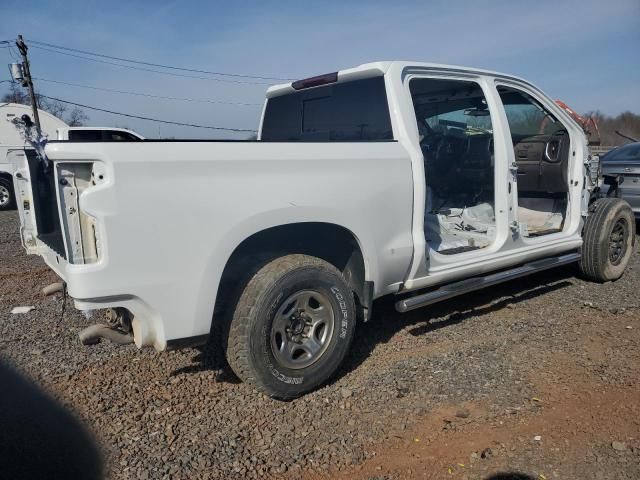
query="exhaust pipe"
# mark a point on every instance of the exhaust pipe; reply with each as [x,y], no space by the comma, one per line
[92,335]
[53,288]
[118,329]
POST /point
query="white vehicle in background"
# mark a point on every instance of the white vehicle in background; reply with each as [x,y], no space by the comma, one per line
[97,134]
[12,145]
[417,180]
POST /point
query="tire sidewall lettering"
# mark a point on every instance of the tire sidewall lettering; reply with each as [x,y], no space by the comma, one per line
[344,311]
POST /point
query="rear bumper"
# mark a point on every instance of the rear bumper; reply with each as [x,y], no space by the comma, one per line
[87,285]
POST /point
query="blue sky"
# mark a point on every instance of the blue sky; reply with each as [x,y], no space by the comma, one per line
[582,51]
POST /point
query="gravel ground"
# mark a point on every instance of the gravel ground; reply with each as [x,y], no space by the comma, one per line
[539,376]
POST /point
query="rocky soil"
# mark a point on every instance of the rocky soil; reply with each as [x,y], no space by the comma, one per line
[538,378]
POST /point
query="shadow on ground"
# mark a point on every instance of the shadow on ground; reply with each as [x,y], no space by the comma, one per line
[386,322]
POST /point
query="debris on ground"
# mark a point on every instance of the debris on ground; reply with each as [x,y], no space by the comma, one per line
[21,310]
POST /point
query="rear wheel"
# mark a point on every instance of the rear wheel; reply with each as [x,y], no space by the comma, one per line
[7,199]
[609,236]
[292,326]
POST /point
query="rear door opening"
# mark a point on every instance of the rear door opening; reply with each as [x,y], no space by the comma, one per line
[456,139]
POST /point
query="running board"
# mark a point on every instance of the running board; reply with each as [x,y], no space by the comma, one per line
[476,283]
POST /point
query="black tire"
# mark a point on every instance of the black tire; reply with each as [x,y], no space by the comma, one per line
[6,188]
[252,349]
[609,237]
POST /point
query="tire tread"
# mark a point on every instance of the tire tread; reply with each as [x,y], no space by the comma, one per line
[237,351]
[594,257]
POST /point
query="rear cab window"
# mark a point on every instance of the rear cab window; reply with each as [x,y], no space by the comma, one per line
[353,111]
[101,136]
[85,135]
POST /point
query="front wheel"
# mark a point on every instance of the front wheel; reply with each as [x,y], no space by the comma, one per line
[292,326]
[609,236]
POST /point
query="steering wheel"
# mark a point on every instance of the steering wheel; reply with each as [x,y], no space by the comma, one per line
[554,146]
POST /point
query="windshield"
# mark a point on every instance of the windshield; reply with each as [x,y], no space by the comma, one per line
[469,115]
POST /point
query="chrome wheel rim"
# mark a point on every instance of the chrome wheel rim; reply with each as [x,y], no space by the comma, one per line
[618,241]
[5,196]
[302,329]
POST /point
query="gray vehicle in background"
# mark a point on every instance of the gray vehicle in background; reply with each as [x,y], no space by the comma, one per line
[624,162]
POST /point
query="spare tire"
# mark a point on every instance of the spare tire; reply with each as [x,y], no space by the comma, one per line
[609,238]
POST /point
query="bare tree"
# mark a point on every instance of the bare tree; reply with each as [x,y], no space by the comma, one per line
[15,95]
[627,123]
[76,118]
[55,108]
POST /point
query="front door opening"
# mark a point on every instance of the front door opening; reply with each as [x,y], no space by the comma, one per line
[456,139]
[541,148]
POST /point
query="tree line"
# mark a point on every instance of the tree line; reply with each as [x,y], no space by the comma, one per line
[627,123]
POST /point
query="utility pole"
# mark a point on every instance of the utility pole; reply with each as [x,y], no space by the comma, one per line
[22,47]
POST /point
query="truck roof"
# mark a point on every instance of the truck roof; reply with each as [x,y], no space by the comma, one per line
[375,69]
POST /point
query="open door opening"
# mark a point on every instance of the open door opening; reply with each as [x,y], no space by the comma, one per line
[541,146]
[456,139]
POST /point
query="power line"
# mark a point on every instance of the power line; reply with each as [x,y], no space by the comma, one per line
[125,92]
[148,118]
[150,64]
[149,69]
[13,54]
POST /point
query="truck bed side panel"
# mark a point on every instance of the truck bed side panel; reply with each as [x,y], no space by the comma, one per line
[171,214]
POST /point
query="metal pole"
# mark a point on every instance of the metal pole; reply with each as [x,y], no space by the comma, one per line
[22,47]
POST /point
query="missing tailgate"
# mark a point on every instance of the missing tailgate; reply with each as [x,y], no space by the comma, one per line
[45,204]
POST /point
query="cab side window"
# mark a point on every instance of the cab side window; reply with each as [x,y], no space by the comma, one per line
[526,116]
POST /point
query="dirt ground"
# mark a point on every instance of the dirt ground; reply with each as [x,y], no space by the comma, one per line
[535,379]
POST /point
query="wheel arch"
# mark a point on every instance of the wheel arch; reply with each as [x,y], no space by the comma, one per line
[331,242]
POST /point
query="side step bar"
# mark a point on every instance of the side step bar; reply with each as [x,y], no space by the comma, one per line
[476,283]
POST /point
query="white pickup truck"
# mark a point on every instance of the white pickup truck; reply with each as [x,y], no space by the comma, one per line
[417,180]
[97,134]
